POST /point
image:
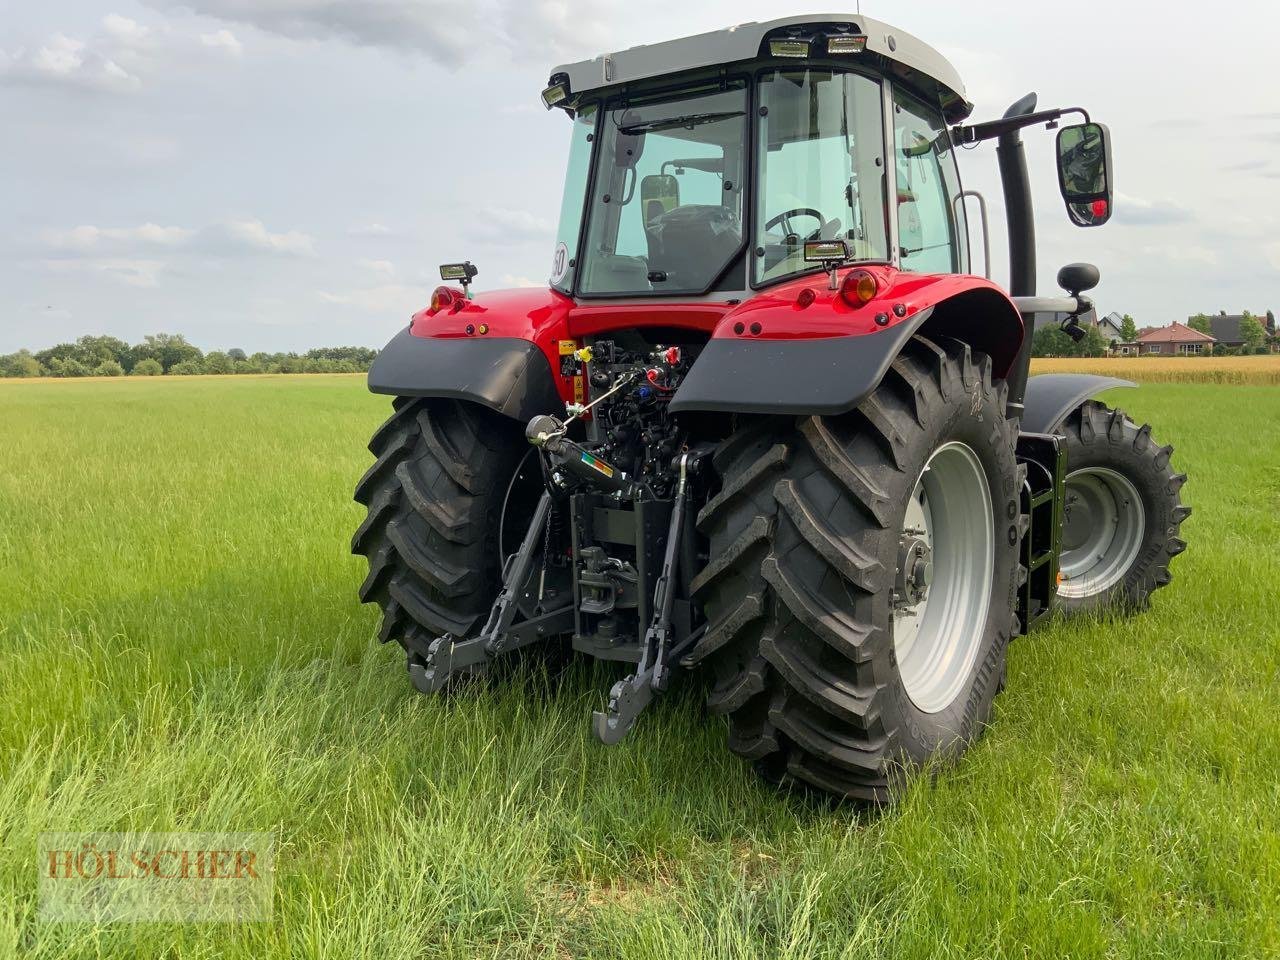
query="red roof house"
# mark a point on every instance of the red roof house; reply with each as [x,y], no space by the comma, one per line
[1174,340]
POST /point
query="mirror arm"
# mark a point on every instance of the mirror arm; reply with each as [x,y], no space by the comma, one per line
[977,132]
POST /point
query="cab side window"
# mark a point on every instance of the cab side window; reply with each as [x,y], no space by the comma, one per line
[930,235]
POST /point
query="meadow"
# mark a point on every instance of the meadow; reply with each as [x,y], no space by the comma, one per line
[182,650]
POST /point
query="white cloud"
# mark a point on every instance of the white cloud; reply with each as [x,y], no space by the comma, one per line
[1150,213]
[119,57]
[147,151]
[384,267]
[510,280]
[369,230]
[1272,252]
[88,238]
[561,30]
[1180,253]
[61,56]
[223,40]
[387,298]
[444,30]
[68,61]
[129,272]
[254,234]
[234,237]
[123,29]
[110,60]
[505,224]
[438,28]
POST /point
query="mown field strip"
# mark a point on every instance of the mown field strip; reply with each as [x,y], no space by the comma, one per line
[182,650]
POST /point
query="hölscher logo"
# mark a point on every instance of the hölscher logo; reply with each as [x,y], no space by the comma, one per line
[165,877]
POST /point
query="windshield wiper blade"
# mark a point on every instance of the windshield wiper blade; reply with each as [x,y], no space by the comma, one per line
[670,123]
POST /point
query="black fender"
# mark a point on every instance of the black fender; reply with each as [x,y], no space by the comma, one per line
[1051,397]
[506,374]
[822,376]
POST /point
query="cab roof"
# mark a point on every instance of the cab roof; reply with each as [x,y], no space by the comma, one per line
[896,52]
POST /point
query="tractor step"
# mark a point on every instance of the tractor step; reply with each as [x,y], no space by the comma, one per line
[1044,460]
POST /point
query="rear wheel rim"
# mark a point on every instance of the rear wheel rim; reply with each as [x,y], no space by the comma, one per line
[1102,531]
[940,615]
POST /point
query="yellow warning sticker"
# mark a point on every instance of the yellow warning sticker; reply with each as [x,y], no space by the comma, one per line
[567,347]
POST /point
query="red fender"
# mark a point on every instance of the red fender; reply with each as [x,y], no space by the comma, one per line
[966,307]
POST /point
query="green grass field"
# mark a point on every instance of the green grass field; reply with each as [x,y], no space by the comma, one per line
[182,650]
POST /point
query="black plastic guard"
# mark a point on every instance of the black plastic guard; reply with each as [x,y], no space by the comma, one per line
[1051,397]
[507,374]
[822,376]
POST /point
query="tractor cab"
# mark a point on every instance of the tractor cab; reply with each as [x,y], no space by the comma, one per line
[700,168]
[695,181]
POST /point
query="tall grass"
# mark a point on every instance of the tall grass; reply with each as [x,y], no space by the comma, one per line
[1257,370]
[182,650]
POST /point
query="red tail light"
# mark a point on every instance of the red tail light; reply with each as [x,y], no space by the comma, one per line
[858,288]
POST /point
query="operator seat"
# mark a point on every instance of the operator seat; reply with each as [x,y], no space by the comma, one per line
[692,243]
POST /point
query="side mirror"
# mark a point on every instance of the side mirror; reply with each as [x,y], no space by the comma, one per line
[659,193]
[1084,173]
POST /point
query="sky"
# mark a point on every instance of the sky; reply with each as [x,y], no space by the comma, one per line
[283,174]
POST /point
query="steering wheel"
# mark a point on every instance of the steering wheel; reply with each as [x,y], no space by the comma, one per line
[785,220]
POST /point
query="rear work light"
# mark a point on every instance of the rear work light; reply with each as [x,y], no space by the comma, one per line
[829,253]
[826,251]
[555,94]
[464,273]
[858,288]
[846,43]
[789,48]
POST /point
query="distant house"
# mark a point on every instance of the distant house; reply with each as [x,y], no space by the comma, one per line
[1111,326]
[1177,339]
[1226,327]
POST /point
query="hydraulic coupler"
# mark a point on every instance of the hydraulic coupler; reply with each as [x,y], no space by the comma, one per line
[563,455]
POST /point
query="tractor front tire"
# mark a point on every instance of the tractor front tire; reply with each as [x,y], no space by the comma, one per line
[434,496]
[1122,513]
[817,540]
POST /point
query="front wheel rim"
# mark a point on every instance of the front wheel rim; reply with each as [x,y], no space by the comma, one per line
[940,614]
[1103,527]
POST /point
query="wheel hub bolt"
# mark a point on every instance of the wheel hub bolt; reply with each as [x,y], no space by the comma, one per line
[922,573]
[915,571]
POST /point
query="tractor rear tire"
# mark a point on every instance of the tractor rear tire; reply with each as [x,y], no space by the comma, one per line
[1122,516]
[435,495]
[809,537]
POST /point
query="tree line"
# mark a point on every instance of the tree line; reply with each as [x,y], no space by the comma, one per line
[162,354]
[1050,340]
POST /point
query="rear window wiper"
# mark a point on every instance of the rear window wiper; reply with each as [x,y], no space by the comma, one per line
[690,120]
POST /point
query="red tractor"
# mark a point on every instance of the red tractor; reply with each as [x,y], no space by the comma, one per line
[764,422]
